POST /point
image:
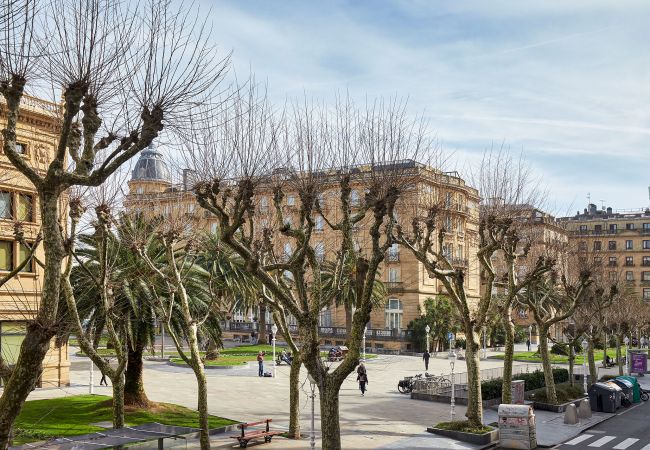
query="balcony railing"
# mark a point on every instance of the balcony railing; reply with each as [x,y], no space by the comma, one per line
[394,286]
[392,257]
[645,263]
[458,262]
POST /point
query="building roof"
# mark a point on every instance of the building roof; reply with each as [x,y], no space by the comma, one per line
[151,166]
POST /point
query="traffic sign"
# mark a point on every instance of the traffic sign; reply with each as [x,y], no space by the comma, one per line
[450,336]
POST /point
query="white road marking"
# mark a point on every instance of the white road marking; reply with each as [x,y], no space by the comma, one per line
[579,439]
[625,444]
[602,441]
[647,447]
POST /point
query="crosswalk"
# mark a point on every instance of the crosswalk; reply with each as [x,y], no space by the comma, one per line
[606,442]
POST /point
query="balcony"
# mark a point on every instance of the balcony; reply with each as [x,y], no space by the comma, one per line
[394,286]
[612,264]
[392,257]
[458,262]
[645,263]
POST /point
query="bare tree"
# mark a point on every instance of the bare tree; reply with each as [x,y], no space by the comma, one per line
[133,71]
[315,177]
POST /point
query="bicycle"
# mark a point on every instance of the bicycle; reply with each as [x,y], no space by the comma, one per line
[441,380]
[645,395]
[406,385]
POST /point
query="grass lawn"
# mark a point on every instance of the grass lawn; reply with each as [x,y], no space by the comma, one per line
[223,360]
[560,359]
[70,416]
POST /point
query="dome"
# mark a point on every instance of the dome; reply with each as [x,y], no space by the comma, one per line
[151,166]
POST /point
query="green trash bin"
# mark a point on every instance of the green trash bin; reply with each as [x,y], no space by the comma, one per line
[636,388]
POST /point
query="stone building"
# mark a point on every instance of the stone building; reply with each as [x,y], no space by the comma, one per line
[619,241]
[37,133]
[407,283]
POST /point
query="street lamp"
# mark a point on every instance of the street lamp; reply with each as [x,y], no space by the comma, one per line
[484,343]
[530,334]
[274,329]
[92,377]
[312,384]
[585,344]
[452,363]
[365,330]
[427,329]
[627,355]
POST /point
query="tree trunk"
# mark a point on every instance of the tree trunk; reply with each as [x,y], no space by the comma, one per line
[294,398]
[506,387]
[329,415]
[619,356]
[29,365]
[118,400]
[204,425]
[261,320]
[572,358]
[134,394]
[605,349]
[551,393]
[474,397]
[212,352]
[348,320]
[593,373]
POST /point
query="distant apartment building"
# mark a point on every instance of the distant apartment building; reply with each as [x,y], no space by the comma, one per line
[406,280]
[37,134]
[617,240]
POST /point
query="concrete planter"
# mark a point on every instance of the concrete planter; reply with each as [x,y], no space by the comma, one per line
[556,408]
[476,439]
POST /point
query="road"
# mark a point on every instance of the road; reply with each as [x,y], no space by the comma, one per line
[627,431]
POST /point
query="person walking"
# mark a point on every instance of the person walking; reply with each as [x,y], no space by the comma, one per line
[528,344]
[362,378]
[426,356]
[260,363]
[103,381]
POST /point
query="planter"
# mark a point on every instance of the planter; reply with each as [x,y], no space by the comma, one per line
[476,439]
[556,408]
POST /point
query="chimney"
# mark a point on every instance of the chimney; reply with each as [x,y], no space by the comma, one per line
[609,210]
[592,208]
[189,179]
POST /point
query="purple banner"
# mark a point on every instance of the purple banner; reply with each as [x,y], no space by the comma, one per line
[638,362]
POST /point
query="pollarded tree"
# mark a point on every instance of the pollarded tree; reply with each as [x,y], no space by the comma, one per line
[127,73]
[315,177]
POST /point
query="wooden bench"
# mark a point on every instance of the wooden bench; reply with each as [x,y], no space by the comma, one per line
[244,437]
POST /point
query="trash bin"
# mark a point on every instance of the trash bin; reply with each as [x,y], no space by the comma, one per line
[618,392]
[627,389]
[602,397]
[636,388]
[517,427]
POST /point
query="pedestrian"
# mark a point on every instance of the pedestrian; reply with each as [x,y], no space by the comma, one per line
[260,363]
[103,381]
[426,356]
[253,337]
[362,378]
[528,344]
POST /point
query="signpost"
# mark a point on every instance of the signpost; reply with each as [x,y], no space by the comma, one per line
[450,338]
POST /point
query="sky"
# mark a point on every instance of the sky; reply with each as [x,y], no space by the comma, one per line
[564,83]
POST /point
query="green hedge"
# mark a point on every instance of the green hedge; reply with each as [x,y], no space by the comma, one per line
[491,389]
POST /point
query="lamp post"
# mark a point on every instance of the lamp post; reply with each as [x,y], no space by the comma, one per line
[584,365]
[274,329]
[452,363]
[365,330]
[312,384]
[627,355]
[427,329]
[530,334]
[484,343]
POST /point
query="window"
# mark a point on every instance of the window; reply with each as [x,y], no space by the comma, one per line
[21,148]
[448,223]
[321,199]
[646,261]
[629,275]
[612,261]
[582,246]
[318,223]
[393,314]
[5,205]
[629,260]
[583,228]
[645,276]
[191,207]
[646,227]
[139,190]
[629,226]
[646,294]
[319,250]
[23,254]
[611,245]
[291,200]
[12,335]
[613,227]
[646,245]
[598,260]
[629,245]
[287,251]
[6,255]
[613,276]
[597,245]
[288,220]
[354,198]
[214,226]
[393,275]
[460,252]
[448,199]
[167,210]
[598,229]
[264,204]
[325,318]
[393,252]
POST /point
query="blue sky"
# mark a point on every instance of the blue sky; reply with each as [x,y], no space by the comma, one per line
[567,83]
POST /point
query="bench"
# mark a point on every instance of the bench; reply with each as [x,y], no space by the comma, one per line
[244,437]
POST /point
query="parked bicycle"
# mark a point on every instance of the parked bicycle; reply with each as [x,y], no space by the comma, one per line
[440,380]
[406,385]
[645,395]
